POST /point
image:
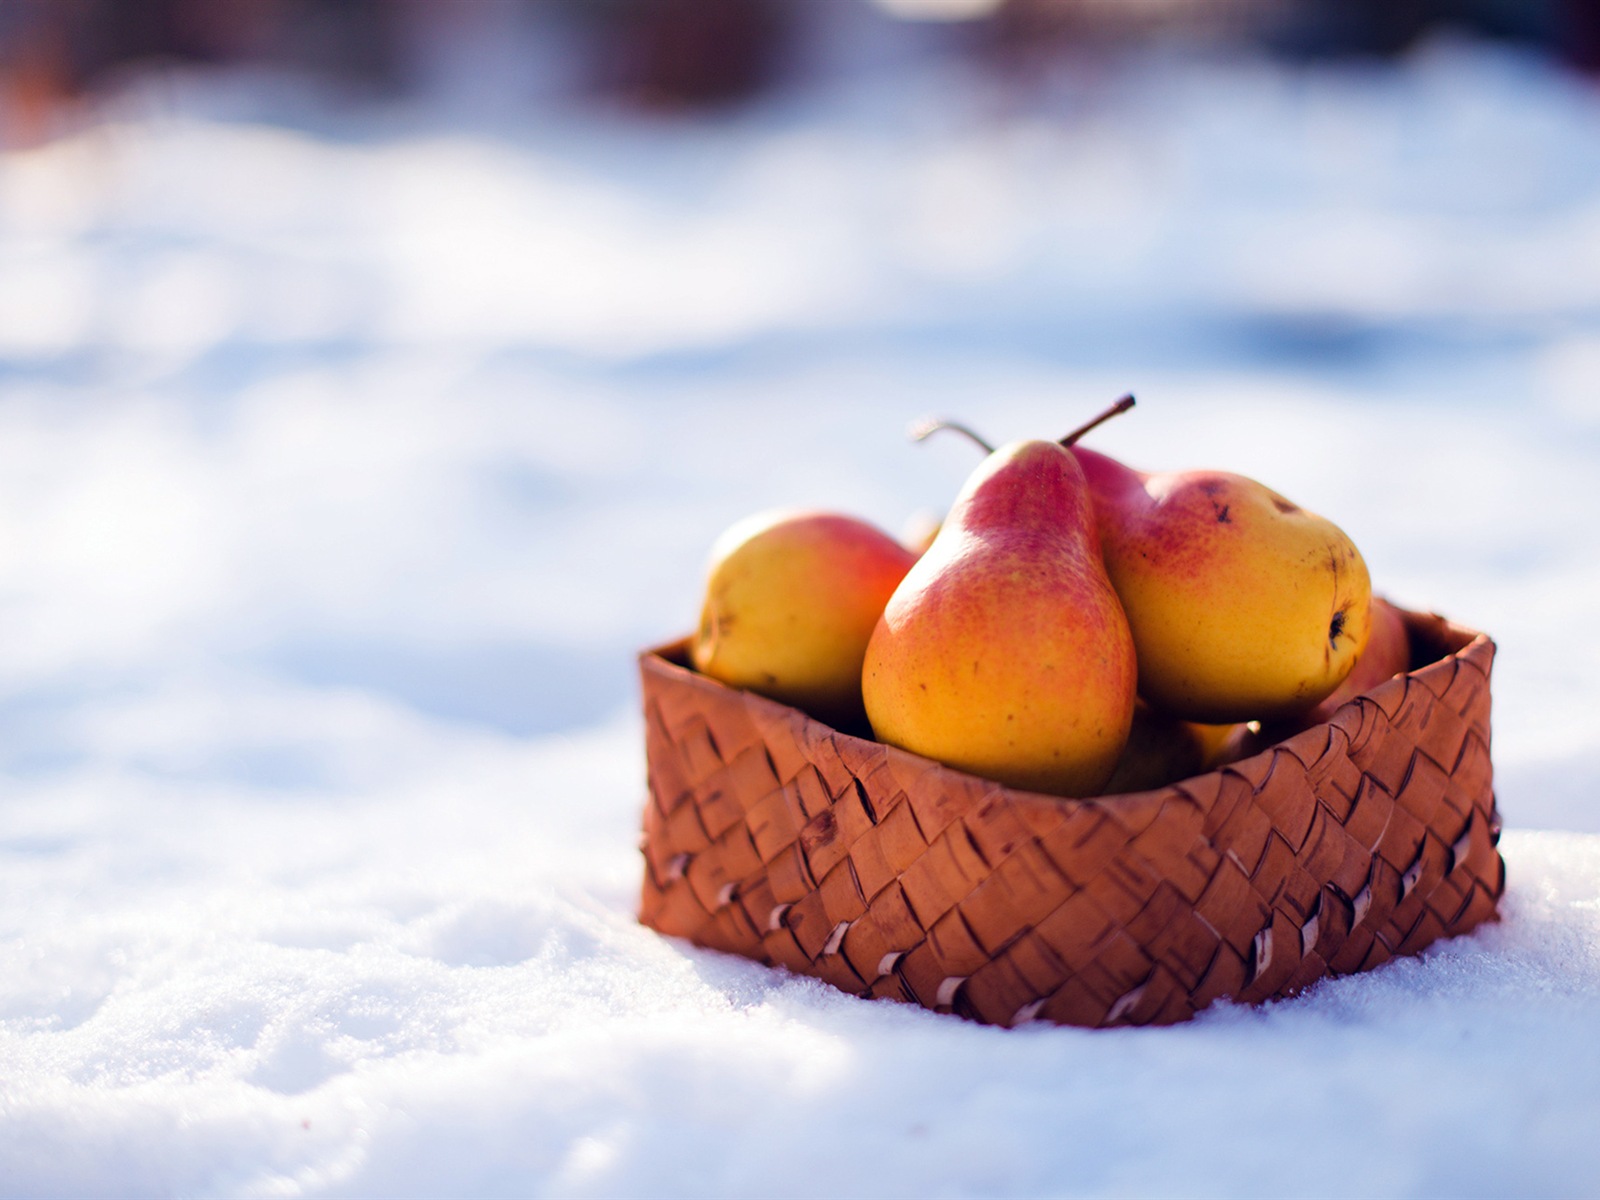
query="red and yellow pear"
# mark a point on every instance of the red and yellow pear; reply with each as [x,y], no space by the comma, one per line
[1387,654]
[791,601]
[1242,604]
[1004,651]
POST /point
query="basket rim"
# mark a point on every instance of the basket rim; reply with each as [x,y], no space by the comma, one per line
[1433,635]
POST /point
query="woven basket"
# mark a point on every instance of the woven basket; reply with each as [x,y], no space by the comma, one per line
[771,835]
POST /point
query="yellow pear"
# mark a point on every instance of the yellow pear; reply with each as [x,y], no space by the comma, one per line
[1004,651]
[791,601]
[1387,654]
[1163,749]
[1242,604]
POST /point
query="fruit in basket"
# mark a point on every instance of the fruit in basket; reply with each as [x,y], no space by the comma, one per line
[1242,604]
[1387,654]
[1004,651]
[1163,749]
[791,601]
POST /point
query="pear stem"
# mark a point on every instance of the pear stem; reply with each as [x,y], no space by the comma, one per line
[926,426]
[1121,406]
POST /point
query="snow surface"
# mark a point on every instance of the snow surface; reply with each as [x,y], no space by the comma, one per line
[346,461]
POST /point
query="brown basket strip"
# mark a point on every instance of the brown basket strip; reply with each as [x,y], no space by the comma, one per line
[770,835]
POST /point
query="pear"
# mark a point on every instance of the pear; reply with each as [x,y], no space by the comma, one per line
[791,600]
[1242,604]
[1004,651]
[1387,654]
[1163,749]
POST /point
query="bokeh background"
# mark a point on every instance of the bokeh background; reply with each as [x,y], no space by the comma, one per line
[374,378]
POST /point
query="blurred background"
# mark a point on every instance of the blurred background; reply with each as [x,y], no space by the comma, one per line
[694,53]
[414,351]
[701,52]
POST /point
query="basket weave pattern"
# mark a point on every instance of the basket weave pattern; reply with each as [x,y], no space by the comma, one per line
[773,836]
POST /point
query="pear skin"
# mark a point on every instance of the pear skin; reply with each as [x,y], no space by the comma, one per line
[791,601]
[1387,654]
[1004,651]
[1243,605]
[1163,749]
[1216,742]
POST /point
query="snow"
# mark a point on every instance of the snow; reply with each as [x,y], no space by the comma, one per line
[345,461]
